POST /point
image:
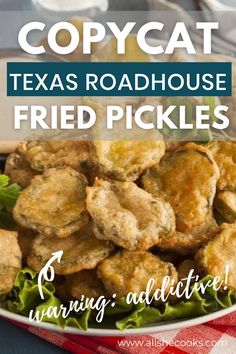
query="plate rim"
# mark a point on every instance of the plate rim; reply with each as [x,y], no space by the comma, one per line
[101,332]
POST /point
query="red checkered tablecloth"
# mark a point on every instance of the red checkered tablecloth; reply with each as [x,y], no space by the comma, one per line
[215,337]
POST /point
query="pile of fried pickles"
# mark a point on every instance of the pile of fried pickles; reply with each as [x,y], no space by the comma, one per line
[122,212]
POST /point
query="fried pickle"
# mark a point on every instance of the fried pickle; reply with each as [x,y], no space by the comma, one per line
[19,170]
[84,283]
[129,271]
[185,243]
[43,155]
[54,203]
[218,253]
[224,153]
[80,251]
[186,178]
[126,160]
[10,260]
[127,215]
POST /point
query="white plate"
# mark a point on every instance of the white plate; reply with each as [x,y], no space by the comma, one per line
[160,327]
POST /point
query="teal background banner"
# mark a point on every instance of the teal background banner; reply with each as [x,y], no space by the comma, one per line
[110,75]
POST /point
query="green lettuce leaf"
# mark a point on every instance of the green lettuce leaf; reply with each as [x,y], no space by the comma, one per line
[25,297]
[197,305]
[120,308]
[8,192]
[8,197]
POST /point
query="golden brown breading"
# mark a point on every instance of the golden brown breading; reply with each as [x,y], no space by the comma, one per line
[85,283]
[19,170]
[126,160]
[186,242]
[43,155]
[129,271]
[225,204]
[224,153]
[218,253]
[10,260]
[80,251]
[54,203]
[186,178]
[127,215]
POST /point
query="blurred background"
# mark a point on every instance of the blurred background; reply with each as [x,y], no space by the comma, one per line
[114,5]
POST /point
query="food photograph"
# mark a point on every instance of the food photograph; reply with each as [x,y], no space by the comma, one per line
[117,186]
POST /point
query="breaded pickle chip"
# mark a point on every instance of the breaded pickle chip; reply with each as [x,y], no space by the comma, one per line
[224,154]
[54,203]
[218,253]
[126,160]
[186,178]
[43,155]
[127,215]
[80,251]
[181,242]
[84,283]
[129,271]
[10,260]
[225,204]
[19,170]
